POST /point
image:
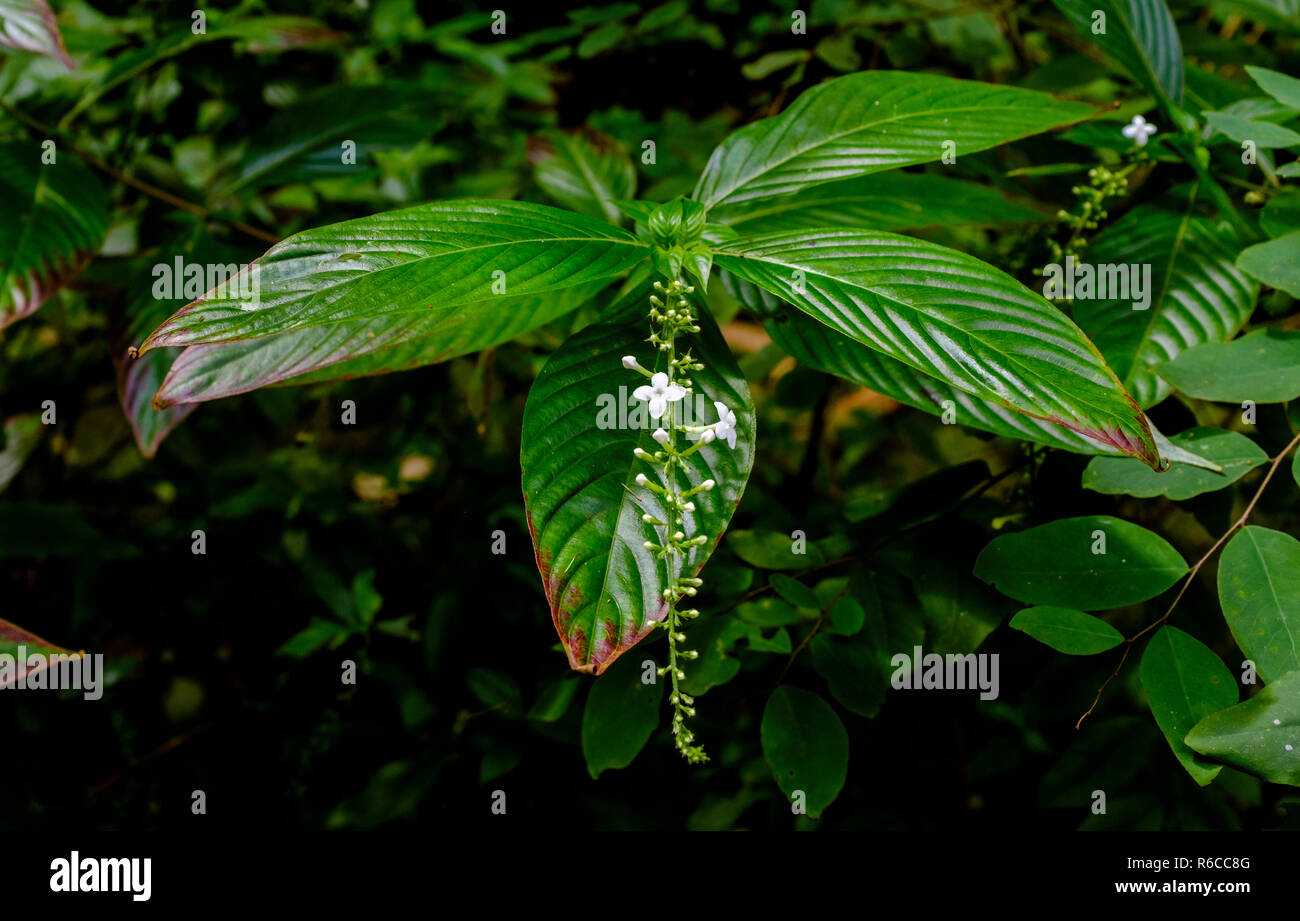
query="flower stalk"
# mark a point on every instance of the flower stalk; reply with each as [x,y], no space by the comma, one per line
[671,317]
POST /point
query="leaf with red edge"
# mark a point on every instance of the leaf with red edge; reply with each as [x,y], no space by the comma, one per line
[29,25]
[56,215]
[583,506]
[19,644]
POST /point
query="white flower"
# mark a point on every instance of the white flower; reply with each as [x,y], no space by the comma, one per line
[1139,130]
[641,479]
[660,436]
[659,393]
[723,430]
[630,362]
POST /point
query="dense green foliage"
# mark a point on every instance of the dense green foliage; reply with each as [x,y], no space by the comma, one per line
[320,335]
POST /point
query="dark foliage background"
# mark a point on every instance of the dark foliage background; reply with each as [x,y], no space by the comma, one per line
[307,518]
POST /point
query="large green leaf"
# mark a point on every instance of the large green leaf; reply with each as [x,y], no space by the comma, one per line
[952,317]
[29,25]
[1263,366]
[1234,454]
[12,637]
[1284,89]
[824,349]
[428,260]
[584,170]
[56,215]
[1260,735]
[898,201]
[584,508]
[1139,35]
[806,747]
[1196,295]
[1091,563]
[1185,682]
[868,122]
[360,348]
[1259,589]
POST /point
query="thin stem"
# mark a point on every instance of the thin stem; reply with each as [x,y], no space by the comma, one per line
[1236,526]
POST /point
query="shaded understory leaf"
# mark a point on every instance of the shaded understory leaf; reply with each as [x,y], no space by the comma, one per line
[806,747]
[1259,590]
[1185,682]
[584,508]
[1067,630]
[1263,367]
[1234,453]
[583,170]
[1139,35]
[1260,735]
[56,215]
[1092,563]
[620,716]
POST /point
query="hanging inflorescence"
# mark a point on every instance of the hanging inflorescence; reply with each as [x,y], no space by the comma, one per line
[670,317]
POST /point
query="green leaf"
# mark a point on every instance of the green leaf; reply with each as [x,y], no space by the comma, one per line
[1264,134]
[806,747]
[12,637]
[56,215]
[981,330]
[898,201]
[1260,735]
[1091,563]
[619,718]
[1196,295]
[1233,452]
[1105,756]
[29,25]
[584,508]
[798,594]
[868,122]
[1185,682]
[584,170]
[304,141]
[847,617]
[18,440]
[554,700]
[423,261]
[1284,89]
[1259,590]
[824,349]
[1275,263]
[1281,215]
[359,348]
[1263,366]
[774,550]
[1139,35]
[1067,630]
[852,671]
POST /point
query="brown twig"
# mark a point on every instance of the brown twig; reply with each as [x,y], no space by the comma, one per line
[1236,526]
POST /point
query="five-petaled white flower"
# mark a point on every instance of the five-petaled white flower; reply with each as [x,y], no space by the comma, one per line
[1139,130]
[659,393]
[724,429]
